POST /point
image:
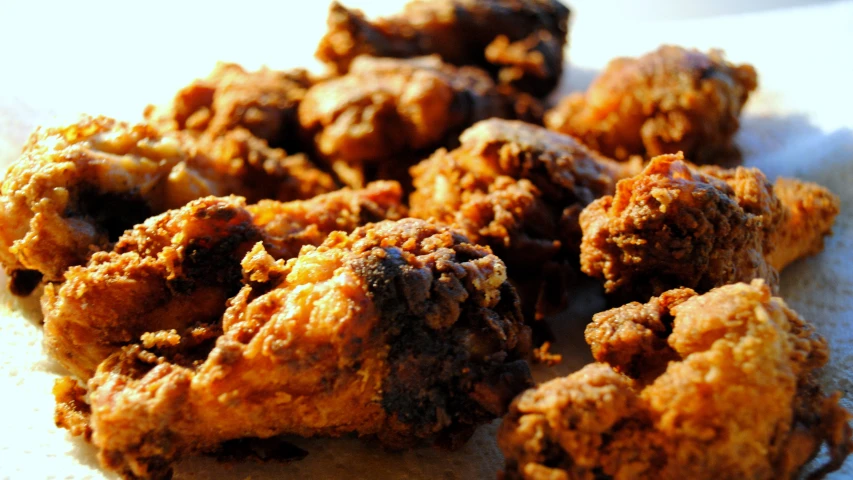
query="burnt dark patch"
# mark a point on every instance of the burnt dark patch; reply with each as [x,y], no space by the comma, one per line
[435,372]
[113,212]
[210,261]
[23,282]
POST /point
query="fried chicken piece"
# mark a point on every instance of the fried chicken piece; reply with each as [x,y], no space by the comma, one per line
[666,101]
[385,111]
[262,172]
[520,42]
[677,225]
[75,189]
[738,398]
[264,102]
[515,187]
[401,330]
[177,270]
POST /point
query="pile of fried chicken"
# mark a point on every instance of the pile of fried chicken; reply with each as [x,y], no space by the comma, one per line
[370,251]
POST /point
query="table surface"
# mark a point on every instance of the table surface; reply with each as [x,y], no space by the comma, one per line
[61,59]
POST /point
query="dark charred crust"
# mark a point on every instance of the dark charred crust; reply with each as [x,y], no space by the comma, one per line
[454,377]
[23,282]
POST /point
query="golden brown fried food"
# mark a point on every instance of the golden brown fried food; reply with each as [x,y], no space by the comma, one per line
[263,102]
[75,189]
[386,112]
[177,270]
[400,330]
[669,100]
[738,398]
[515,187]
[676,225]
[261,172]
[520,42]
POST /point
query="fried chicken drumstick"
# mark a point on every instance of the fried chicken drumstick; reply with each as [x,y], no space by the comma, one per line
[75,189]
[702,387]
[515,187]
[177,270]
[520,42]
[677,225]
[400,330]
[666,101]
[386,113]
[264,102]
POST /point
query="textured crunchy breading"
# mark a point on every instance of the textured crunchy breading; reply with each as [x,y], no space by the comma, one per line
[75,189]
[385,111]
[177,270]
[520,42]
[400,330]
[263,102]
[737,400]
[669,100]
[515,187]
[676,225]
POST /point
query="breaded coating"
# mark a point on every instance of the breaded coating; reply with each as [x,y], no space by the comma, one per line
[520,42]
[666,101]
[263,102]
[677,225]
[385,112]
[176,271]
[516,187]
[264,172]
[401,331]
[76,189]
[738,398]
[810,212]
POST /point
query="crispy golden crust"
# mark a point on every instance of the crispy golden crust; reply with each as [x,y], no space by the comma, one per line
[261,172]
[520,42]
[675,225]
[177,270]
[386,111]
[666,101]
[263,102]
[810,212]
[400,330]
[76,189]
[737,400]
[517,188]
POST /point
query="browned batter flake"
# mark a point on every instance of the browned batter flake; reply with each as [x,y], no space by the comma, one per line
[669,100]
[520,42]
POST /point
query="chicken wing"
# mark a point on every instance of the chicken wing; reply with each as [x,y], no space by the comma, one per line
[401,330]
[515,187]
[75,189]
[669,100]
[264,102]
[520,42]
[387,112]
[177,270]
[738,398]
[676,225]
